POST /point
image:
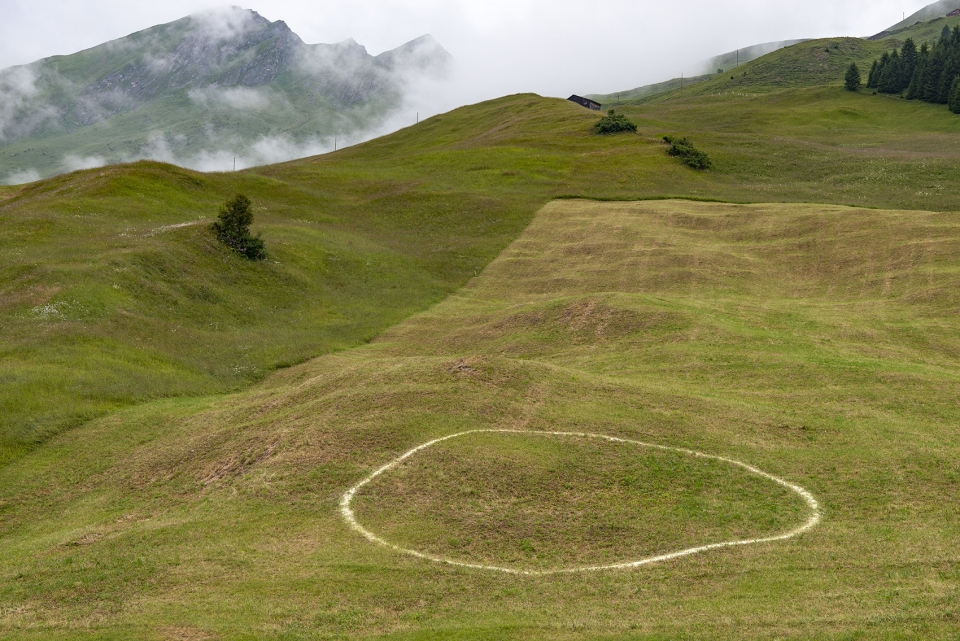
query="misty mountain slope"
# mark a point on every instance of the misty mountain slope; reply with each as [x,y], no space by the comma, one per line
[811,63]
[704,71]
[930,12]
[923,26]
[923,32]
[199,91]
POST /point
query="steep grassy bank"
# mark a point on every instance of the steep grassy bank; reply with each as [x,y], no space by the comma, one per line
[106,302]
[819,343]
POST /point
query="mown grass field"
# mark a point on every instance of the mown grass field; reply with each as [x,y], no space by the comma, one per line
[816,342]
[107,302]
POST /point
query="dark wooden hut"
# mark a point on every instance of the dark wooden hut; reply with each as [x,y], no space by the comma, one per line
[586,102]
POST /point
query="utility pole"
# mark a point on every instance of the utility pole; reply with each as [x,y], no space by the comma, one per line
[234,163]
[334,142]
[738,58]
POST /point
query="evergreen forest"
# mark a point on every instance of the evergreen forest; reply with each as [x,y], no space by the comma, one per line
[930,74]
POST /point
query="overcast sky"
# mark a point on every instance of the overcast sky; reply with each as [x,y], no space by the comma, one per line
[552,47]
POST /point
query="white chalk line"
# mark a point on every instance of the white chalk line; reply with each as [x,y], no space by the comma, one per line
[347,511]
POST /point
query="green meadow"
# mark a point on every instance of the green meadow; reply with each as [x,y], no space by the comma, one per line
[180,425]
[817,343]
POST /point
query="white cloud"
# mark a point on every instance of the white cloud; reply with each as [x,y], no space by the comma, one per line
[76,163]
[22,177]
[18,88]
[223,23]
[243,98]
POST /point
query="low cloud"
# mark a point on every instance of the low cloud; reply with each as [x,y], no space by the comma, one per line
[265,151]
[224,23]
[22,177]
[19,113]
[241,98]
[76,163]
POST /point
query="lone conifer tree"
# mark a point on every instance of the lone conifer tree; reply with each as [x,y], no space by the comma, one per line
[853,80]
[233,228]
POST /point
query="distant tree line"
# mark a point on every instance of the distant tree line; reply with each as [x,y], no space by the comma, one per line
[930,74]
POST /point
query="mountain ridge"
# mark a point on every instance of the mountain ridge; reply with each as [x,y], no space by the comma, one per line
[199,82]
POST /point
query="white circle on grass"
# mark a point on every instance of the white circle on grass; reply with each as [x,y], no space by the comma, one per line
[813,508]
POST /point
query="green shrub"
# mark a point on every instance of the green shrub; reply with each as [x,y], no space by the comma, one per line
[614,123]
[233,228]
[684,150]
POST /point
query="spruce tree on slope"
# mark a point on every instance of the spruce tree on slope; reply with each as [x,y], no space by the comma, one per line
[954,101]
[876,74]
[233,228]
[853,79]
[890,75]
[872,78]
[915,88]
[909,57]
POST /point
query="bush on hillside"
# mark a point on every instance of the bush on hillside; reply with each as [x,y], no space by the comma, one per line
[614,123]
[684,150]
[233,228]
[853,79]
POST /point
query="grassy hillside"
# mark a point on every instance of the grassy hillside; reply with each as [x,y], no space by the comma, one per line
[932,11]
[108,302]
[819,343]
[732,59]
[615,99]
[923,32]
[807,64]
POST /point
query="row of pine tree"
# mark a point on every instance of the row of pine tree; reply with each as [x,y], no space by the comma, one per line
[931,74]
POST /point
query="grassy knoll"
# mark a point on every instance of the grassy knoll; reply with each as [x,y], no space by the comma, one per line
[105,302]
[817,342]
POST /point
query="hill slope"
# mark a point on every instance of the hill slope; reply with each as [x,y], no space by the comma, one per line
[810,63]
[703,71]
[817,342]
[923,26]
[930,12]
[109,300]
[201,90]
